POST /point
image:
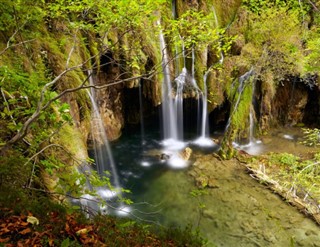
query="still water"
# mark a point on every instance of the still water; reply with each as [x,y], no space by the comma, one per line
[238,211]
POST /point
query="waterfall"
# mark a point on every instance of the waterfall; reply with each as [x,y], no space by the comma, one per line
[180,81]
[252,147]
[171,106]
[204,139]
[204,125]
[251,123]
[102,152]
[169,114]
[103,156]
[242,79]
[193,80]
[251,117]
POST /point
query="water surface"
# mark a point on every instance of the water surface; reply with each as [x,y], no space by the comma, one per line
[238,211]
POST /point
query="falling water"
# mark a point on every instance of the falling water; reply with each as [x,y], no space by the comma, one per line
[241,87]
[193,80]
[102,151]
[204,126]
[170,127]
[103,157]
[253,147]
[180,81]
[204,139]
[170,123]
[251,117]
[251,124]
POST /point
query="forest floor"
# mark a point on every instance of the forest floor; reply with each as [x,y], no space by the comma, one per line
[70,230]
[59,228]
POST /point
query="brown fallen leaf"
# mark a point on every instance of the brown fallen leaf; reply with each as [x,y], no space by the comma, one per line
[24,223]
[25,231]
[4,230]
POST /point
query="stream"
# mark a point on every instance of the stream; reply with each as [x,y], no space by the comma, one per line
[236,211]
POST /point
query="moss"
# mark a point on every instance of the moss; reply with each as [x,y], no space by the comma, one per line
[71,138]
[239,118]
[241,113]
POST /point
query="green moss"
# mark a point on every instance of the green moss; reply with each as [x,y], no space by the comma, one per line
[241,113]
[72,139]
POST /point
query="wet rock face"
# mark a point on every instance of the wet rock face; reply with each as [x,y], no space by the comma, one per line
[289,102]
[287,107]
[110,100]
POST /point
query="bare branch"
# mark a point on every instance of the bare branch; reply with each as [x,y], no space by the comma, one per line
[11,46]
[313,5]
[41,105]
[71,50]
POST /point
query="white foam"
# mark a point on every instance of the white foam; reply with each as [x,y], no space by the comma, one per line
[176,162]
[123,210]
[253,147]
[288,137]
[145,163]
[204,142]
[107,194]
[172,144]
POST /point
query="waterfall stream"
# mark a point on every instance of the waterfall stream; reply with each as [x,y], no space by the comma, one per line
[169,119]
[102,151]
[103,156]
[240,89]
[204,139]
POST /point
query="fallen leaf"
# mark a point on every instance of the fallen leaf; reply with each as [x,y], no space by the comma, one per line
[25,231]
[24,223]
[4,230]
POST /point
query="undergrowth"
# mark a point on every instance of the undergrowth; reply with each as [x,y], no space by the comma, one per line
[31,219]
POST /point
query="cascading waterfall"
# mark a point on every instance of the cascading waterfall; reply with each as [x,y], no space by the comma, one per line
[172,137]
[251,117]
[253,147]
[242,79]
[180,81]
[251,125]
[170,129]
[102,153]
[193,80]
[204,139]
